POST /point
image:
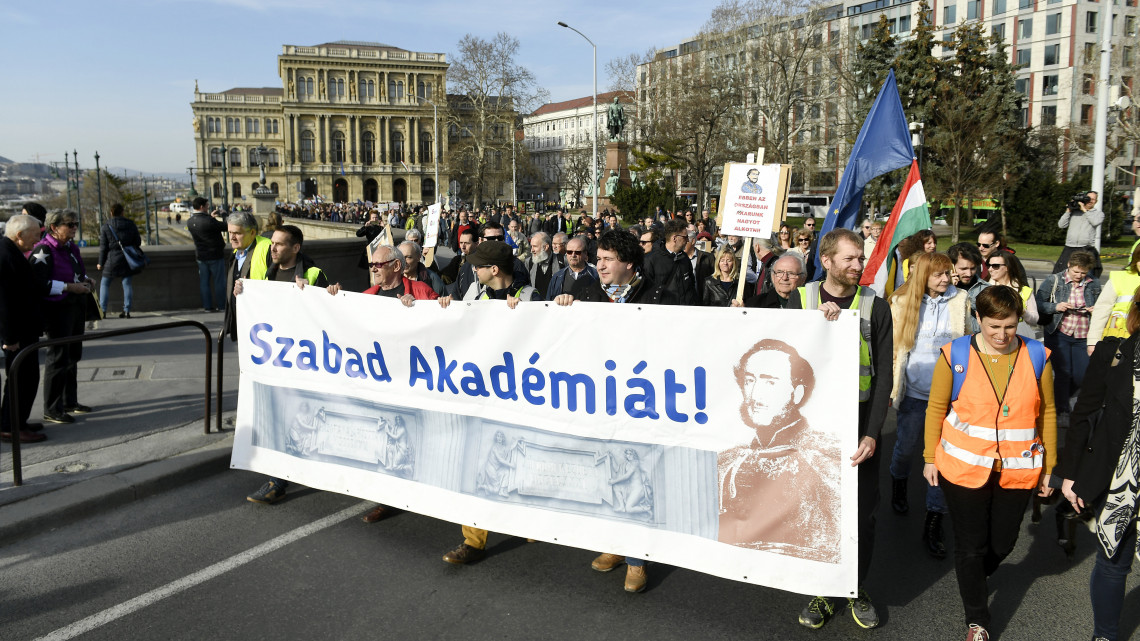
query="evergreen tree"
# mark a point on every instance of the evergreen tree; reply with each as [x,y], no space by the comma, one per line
[916,70]
[873,60]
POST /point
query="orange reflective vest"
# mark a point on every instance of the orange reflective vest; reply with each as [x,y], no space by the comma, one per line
[978,431]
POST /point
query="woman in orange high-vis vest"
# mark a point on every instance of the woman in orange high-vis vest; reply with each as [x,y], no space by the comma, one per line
[989,443]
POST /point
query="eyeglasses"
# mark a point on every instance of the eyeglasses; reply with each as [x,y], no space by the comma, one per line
[779,273]
[803,240]
[995,265]
[783,233]
[574,252]
[380,265]
[483,266]
[492,238]
[986,245]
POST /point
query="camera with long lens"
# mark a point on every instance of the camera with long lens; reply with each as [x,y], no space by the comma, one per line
[1076,202]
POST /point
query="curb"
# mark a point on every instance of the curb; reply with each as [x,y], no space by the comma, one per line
[74,502]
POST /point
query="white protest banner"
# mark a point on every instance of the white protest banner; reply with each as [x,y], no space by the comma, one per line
[729,457]
[431,225]
[753,199]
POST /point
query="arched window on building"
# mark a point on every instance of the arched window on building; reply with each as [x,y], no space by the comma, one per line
[391,90]
[216,158]
[367,148]
[425,147]
[309,85]
[235,158]
[253,158]
[340,87]
[371,89]
[236,193]
[308,142]
[273,187]
[338,146]
[421,91]
[209,125]
[274,158]
[217,190]
[397,146]
[427,190]
[253,187]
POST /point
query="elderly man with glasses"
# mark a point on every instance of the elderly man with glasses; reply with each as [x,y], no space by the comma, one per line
[788,274]
[577,268]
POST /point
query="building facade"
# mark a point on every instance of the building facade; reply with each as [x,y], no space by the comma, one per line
[351,121]
[558,137]
[1054,42]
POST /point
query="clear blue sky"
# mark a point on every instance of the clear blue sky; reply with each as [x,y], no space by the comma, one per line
[118,76]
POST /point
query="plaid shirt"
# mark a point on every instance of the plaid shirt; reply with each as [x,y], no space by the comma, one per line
[1075,322]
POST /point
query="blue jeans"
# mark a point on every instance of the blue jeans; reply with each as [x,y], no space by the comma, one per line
[909,434]
[105,292]
[212,273]
[1070,360]
[1106,585]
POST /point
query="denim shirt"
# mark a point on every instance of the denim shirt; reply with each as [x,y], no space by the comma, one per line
[933,333]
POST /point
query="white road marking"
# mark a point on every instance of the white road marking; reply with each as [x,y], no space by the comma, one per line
[170,589]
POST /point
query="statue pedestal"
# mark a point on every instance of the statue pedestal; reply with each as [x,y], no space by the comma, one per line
[264,201]
[617,160]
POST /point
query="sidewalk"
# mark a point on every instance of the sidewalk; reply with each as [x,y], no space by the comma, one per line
[145,435]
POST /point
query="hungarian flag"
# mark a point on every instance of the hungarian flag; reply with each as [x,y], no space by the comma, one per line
[910,215]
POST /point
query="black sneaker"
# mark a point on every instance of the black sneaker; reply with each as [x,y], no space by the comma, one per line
[124,314]
[816,613]
[78,409]
[58,417]
[863,611]
[269,493]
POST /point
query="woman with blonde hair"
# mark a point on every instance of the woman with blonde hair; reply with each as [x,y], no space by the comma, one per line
[927,312]
[720,288]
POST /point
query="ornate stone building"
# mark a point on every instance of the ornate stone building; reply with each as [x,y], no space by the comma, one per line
[351,121]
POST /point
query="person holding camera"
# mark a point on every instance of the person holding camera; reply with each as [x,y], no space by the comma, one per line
[1082,219]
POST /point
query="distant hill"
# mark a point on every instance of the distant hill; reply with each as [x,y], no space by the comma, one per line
[5,161]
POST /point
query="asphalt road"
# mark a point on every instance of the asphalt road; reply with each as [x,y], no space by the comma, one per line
[202,563]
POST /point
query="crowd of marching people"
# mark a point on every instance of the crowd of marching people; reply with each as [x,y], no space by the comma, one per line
[951,348]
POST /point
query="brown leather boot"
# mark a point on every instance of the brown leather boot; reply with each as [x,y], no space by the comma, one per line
[607,562]
[635,578]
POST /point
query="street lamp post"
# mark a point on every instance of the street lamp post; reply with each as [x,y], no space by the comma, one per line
[1100,137]
[67,178]
[78,194]
[434,144]
[193,193]
[594,155]
[99,188]
[146,210]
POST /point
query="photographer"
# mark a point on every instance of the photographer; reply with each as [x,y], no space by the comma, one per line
[1082,219]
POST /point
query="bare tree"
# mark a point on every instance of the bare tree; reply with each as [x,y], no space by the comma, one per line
[623,70]
[492,90]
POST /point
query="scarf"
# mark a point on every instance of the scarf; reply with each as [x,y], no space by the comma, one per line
[1120,507]
[617,293]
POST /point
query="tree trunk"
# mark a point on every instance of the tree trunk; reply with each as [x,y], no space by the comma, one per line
[957,221]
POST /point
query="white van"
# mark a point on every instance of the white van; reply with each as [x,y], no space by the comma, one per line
[179,208]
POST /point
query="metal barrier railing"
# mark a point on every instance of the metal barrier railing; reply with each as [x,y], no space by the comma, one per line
[13,381]
[221,342]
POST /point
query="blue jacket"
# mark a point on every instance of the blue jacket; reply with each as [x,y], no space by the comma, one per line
[560,276]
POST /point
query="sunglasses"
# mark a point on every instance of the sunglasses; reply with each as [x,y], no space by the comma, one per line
[995,265]
[803,240]
[492,237]
[574,252]
[645,242]
[380,265]
[986,245]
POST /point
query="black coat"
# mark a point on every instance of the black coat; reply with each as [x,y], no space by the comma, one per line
[1090,453]
[21,318]
[645,293]
[110,254]
[207,232]
[706,265]
[713,294]
[674,272]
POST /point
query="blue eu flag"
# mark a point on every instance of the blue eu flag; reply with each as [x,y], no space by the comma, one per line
[883,145]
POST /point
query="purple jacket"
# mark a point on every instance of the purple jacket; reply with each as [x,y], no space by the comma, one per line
[53,261]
